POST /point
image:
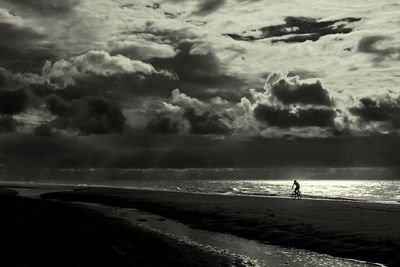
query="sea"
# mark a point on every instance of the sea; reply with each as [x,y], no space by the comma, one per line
[367,184]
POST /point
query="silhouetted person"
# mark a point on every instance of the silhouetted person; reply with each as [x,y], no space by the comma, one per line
[297,187]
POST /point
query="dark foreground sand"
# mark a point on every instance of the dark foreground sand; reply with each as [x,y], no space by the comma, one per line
[363,231]
[36,232]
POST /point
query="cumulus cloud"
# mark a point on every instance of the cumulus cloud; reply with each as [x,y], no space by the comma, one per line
[219,101]
[183,100]
[188,114]
[324,43]
[280,88]
[288,106]
[170,108]
[65,72]
[292,91]
[129,44]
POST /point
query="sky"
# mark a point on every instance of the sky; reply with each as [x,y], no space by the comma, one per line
[199,83]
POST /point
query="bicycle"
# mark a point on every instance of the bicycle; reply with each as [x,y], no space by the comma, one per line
[296,194]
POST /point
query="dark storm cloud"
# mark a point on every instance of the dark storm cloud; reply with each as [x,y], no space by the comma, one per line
[206,123]
[201,75]
[13,102]
[43,130]
[22,49]
[285,118]
[370,44]
[97,73]
[198,123]
[204,7]
[125,87]
[164,124]
[88,115]
[302,27]
[46,7]
[379,110]
[7,124]
[42,90]
[58,106]
[198,72]
[312,93]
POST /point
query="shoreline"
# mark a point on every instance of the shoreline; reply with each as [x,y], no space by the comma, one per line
[228,194]
[38,232]
[358,230]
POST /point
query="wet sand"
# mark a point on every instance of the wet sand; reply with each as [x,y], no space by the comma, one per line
[250,252]
[37,232]
[364,231]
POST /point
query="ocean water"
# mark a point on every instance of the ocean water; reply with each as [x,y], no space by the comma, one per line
[356,184]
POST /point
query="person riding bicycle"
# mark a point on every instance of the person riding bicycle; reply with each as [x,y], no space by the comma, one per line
[297,187]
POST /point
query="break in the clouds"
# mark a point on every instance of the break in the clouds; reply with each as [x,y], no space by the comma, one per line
[205,71]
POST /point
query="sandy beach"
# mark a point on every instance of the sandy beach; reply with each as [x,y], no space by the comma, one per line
[364,231]
[37,232]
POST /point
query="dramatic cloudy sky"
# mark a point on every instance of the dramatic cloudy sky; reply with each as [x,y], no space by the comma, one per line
[199,83]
